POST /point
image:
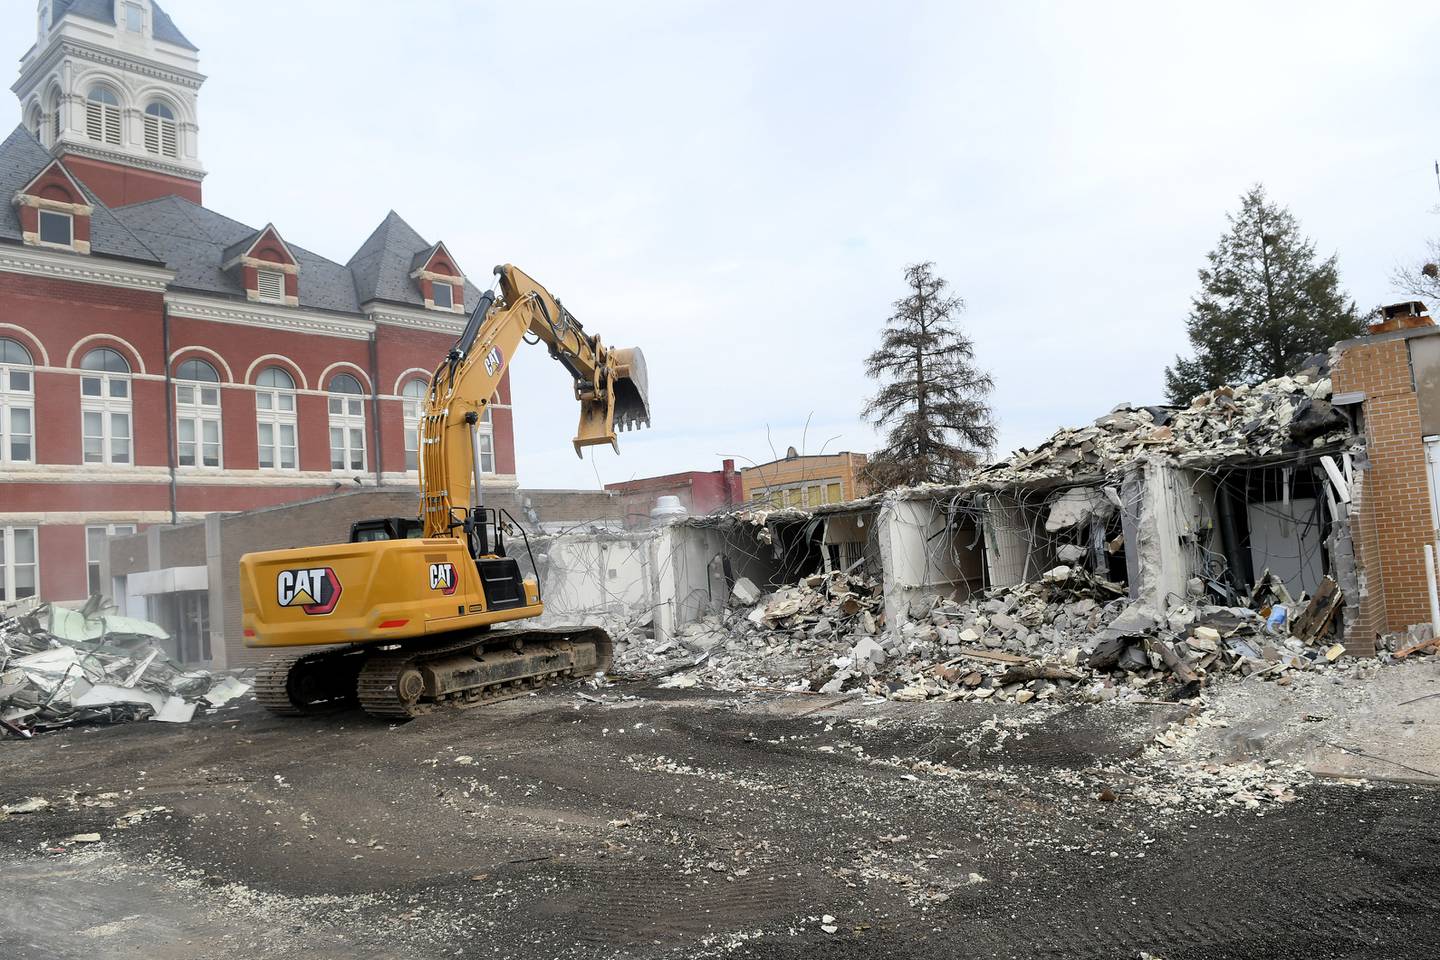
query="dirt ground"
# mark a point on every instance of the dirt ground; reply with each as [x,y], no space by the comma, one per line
[662,823]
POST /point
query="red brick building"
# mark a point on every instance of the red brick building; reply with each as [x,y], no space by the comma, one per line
[1393,375]
[698,491]
[160,361]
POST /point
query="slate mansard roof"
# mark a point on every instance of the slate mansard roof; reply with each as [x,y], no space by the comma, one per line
[384,262]
[195,242]
[103,11]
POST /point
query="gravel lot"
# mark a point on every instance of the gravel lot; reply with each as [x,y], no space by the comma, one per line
[667,823]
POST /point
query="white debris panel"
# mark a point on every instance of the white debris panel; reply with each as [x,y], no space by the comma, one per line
[60,666]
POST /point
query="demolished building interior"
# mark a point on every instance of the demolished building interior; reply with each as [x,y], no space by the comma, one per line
[1157,543]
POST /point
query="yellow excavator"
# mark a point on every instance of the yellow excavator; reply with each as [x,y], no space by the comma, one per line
[408,613]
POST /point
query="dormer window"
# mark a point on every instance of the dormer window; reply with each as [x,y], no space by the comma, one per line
[53,211]
[270,285]
[444,295]
[160,130]
[102,115]
[57,229]
[134,18]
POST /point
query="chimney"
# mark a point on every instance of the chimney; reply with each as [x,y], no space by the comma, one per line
[1405,315]
[730,482]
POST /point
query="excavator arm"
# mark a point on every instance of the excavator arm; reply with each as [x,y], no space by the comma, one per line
[610,385]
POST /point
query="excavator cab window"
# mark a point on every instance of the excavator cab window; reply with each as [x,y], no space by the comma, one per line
[386,528]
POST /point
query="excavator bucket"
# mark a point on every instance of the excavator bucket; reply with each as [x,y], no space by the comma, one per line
[627,407]
[632,389]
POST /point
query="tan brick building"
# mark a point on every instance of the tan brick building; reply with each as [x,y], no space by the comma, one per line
[812,481]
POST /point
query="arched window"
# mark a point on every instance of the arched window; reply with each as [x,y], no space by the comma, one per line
[102,115]
[160,129]
[17,403]
[347,424]
[275,415]
[197,415]
[414,393]
[34,122]
[105,407]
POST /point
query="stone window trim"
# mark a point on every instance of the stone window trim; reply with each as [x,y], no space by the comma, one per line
[76,211]
[457,284]
[260,264]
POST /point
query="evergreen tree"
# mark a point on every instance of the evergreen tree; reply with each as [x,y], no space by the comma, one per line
[932,398]
[1266,304]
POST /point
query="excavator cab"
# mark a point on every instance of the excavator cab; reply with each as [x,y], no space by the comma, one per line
[500,576]
[485,531]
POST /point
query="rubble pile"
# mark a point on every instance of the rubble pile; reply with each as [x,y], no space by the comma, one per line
[1070,635]
[820,627]
[1286,413]
[1073,633]
[61,666]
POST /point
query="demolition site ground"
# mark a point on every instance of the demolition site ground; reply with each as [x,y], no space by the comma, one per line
[635,821]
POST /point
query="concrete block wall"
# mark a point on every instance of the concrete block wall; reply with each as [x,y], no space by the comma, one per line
[1395,517]
[585,576]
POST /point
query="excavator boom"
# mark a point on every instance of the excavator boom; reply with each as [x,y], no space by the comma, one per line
[610,384]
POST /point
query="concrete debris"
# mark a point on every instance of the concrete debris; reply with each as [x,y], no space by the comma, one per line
[28,805]
[1284,414]
[60,666]
[745,592]
[1071,635]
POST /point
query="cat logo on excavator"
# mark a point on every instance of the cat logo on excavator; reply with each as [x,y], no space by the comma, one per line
[442,577]
[315,590]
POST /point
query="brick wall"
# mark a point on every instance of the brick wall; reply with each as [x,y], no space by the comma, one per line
[570,506]
[1392,521]
[817,471]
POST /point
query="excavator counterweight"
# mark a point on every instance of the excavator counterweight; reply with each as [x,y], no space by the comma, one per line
[407,615]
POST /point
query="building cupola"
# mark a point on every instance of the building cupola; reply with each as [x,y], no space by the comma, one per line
[110,88]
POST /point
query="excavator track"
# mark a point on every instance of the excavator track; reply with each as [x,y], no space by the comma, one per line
[402,682]
[309,683]
[477,670]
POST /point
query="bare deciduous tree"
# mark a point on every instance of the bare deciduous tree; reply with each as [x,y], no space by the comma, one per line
[1422,279]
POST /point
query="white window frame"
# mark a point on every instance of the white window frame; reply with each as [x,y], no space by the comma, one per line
[10,565]
[347,419]
[414,413]
[270,411]
[108,407]
[12,401]
[487,442]
[197,414]
[276,278]
[134,14]
[92,563]
[435,285]
[40,231]
[277,419]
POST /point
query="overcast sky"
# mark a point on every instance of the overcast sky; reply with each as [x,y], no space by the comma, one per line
[736,187]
